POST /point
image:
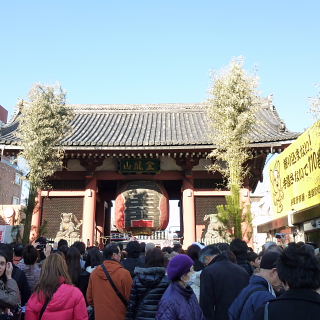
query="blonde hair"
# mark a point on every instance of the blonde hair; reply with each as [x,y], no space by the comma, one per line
[54,272]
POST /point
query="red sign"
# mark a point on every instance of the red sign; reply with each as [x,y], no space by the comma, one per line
[142,223]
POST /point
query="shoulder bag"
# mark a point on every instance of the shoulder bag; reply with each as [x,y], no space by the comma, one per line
[119,294]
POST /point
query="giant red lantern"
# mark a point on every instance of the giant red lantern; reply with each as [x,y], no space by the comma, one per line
[142,207]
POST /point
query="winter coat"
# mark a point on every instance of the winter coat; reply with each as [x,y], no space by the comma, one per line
[22,282]
[67,303]
[32,273]
[149,284]
[131,263]
[248,301]
[179,303]
[220,283]
[295,304]
[9,294]
[195,283]
[101,294]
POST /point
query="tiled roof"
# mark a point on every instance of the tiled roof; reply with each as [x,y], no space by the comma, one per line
[152,127]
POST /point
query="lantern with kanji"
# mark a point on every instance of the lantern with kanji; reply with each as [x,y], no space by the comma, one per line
[142,207]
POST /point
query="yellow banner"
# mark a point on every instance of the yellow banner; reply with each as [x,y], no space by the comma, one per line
[295,174]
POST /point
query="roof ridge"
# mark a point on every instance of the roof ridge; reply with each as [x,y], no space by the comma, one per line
[139,107]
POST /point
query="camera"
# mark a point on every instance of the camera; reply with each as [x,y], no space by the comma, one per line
[42,243]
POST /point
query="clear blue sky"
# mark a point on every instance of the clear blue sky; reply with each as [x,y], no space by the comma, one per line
[159,51]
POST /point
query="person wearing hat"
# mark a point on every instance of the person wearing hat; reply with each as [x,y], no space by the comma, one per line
[179,301]
[259,291]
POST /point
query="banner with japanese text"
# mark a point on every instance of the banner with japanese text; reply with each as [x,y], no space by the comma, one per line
[295,174]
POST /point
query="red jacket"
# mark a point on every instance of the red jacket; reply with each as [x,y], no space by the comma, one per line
[67,304]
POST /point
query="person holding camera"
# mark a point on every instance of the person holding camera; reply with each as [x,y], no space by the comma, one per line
[9,291]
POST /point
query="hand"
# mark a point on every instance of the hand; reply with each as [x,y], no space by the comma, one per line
[47,250]
[9,269]
[35,244]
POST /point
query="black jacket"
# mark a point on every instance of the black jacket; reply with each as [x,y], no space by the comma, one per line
[294,304]
[149,284]
[245,265]
[131,263]
[220,283]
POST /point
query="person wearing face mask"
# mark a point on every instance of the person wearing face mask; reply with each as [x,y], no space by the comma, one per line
[259,291]
[9,291]
[179,301]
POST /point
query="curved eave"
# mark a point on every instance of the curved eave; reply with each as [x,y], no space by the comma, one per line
[259,145]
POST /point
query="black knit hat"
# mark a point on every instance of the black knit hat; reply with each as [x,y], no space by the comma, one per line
[269,260]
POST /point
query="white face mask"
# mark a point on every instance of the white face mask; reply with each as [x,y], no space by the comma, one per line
[186,278]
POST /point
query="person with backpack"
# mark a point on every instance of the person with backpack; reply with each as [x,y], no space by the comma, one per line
[259,290]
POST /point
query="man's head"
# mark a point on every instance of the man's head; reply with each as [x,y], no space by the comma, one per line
[112,251]
[268,268]
[208,253]
[133,249]
[239,248]
[298,268]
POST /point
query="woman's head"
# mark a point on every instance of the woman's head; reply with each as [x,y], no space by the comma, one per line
[180,268]
[193,252]
[155,258]
[53,273]
[298,268]
[93,257]
[3,264]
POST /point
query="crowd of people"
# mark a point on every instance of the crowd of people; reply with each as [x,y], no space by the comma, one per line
[142,282]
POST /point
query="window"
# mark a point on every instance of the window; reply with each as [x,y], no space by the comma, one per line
[15,200]
[17,179]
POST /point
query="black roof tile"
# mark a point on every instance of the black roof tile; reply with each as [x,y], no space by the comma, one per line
[152,126]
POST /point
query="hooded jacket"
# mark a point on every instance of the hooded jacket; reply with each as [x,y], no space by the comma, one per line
[255,295]
[67,303]
[102,296]
[149,284]
[179,303]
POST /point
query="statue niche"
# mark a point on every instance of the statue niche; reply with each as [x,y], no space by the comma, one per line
[69,228]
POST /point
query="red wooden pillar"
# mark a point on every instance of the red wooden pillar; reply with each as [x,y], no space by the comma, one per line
[189,218]
[89,209]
